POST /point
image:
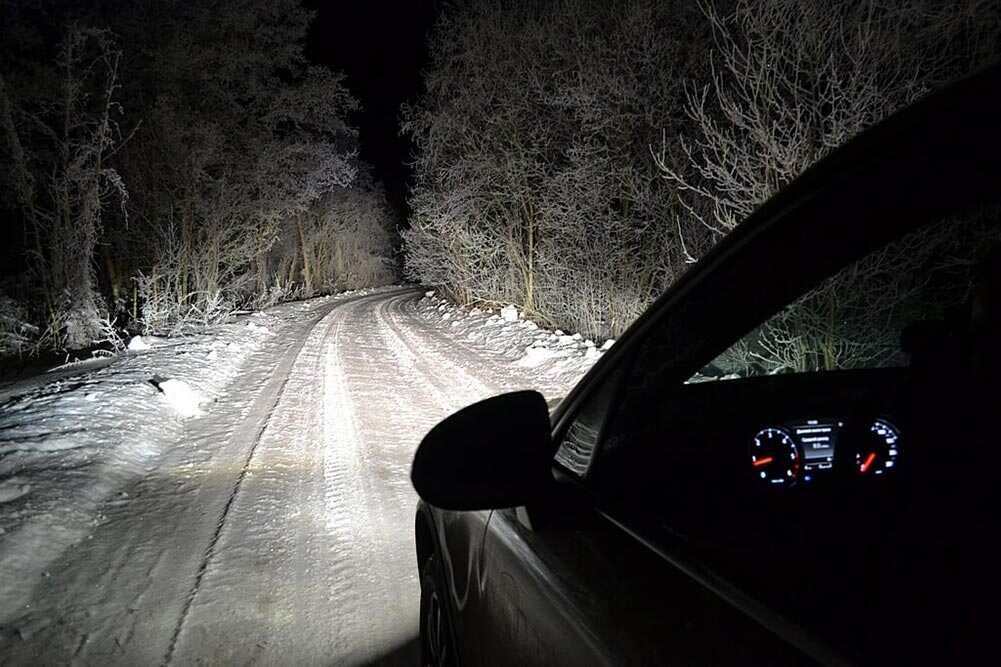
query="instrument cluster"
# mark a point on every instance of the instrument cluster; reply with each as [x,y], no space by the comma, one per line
[806,451]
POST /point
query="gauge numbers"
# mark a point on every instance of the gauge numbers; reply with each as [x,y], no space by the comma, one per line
[878,451]
[775,457]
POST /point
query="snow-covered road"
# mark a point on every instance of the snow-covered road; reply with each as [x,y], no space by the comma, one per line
[278,526]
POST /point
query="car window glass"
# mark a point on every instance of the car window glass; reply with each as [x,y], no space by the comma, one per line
[863,316]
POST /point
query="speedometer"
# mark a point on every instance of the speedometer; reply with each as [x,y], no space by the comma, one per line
[878,450]
[775,458]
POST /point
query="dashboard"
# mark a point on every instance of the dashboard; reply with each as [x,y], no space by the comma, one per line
[826,497]
[813,450]
[822,434]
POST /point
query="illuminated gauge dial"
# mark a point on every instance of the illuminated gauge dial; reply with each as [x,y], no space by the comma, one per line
[775,458]
[879,449]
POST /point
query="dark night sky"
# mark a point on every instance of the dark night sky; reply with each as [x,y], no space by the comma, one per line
[380,45]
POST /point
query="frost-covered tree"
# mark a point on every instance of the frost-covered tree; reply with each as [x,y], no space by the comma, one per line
[534,180]
[60,123]
[350,237]
[346,239]
[234,144]
[255,136]
[791,81]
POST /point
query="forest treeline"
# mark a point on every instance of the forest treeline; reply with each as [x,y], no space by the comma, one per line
[169,161]
[574,158]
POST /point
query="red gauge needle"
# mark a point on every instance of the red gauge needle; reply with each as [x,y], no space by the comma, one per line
[763,461]
[868,462]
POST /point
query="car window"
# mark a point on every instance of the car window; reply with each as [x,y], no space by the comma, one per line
[910,292]
[867,314]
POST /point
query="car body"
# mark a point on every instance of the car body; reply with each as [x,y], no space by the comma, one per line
[626,527]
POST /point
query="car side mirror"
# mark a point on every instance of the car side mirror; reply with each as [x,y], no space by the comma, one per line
[493,454]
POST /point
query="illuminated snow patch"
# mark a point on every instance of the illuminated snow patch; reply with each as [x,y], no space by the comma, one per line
[535,356]
[137,344]
[12,489]
[181,397]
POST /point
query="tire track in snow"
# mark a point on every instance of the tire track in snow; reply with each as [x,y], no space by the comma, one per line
[315,562]
[377,413]
[377,407]
[344,492]
[251,429]
[428,361]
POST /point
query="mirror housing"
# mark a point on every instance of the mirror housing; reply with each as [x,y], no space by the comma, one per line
[490,455]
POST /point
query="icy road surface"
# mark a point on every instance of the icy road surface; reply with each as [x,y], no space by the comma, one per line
[275,525]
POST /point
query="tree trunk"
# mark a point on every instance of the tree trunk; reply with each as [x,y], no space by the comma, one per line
[307,272]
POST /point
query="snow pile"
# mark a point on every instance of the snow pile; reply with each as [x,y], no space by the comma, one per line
[535,356]
[12,489]
[137,344]
[523,354]
[179,395]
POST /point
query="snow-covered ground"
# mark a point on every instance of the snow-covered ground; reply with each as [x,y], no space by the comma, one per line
[520,354]
[243,494]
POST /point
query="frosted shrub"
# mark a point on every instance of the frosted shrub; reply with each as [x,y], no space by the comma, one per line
[534,180]
[16,334]
[757,127]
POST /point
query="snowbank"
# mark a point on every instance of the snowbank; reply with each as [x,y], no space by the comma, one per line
[528,355]
[179,395]
[137,344]
[12,489]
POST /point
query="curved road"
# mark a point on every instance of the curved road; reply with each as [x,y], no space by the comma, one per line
[286,536]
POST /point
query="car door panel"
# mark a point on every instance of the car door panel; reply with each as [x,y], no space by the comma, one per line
[524,611]
[597,596]
[460,535]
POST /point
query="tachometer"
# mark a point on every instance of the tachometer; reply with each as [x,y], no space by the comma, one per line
[775,458]
[878,450]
